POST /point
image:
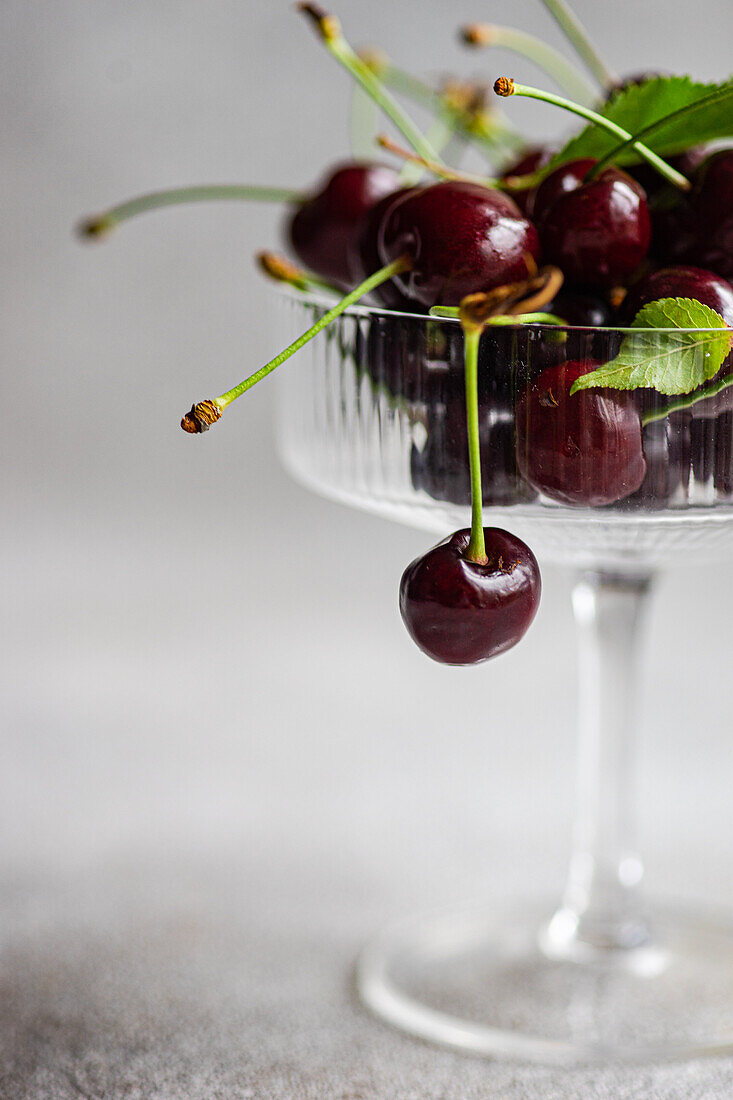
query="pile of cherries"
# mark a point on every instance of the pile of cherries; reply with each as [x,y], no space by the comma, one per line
[621,239]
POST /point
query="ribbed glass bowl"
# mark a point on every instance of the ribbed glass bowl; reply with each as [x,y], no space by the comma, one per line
[371,413]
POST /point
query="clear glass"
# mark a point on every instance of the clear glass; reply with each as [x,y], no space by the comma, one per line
[372,413]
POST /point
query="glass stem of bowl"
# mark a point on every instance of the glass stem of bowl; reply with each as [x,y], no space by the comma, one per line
[600,917]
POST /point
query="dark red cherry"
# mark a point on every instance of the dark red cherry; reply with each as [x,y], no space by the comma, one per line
[461,238]
[680,282]
[584,449]
[364,257]
[582,308]
[598,232]
[322,230]
[459,612]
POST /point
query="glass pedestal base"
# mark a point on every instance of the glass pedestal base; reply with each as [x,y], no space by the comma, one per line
[481,982]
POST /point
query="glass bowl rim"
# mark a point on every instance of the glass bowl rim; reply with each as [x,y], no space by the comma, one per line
[366,309]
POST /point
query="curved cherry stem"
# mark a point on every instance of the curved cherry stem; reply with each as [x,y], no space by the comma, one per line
[505,86]
[100,224]
[203,414]
[577,35]
[550,60]
[329,30]
[649,131]
[476,550]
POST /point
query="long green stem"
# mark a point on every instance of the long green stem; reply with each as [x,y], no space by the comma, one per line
[492,133]
[576,33]
[476,547]
[102,223]
[207,412]
[726,92]
[439,135]
[506,87]
[330,32]
[687,400]
[550,60]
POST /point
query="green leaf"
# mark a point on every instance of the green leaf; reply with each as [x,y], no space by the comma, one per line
[640,105]
[671,362]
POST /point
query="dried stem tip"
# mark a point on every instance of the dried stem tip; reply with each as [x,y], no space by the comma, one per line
[280,268]
[512,299]
[201,417]
[327,25]
[504,86]
[477,34]
[95,228]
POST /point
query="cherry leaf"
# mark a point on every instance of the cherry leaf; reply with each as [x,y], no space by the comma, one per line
[681,343]
[638,106]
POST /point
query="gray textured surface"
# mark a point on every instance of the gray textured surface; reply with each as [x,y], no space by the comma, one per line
[222,764]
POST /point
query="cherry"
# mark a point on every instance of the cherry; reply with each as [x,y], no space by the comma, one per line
[322,229]
[598,232]
[584,449]
[680,282]
[461,612]
[462,238]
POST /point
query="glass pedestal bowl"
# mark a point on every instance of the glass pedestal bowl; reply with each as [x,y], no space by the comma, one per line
[372,414]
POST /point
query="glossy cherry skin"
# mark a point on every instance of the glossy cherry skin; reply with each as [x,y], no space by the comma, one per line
[461,238]
[461,613]
[585,449]
[322,229]
[597,232]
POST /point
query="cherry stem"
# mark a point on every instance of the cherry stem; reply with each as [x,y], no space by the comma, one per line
[505,86]
[550,60]
[577,35]
[282,270]
[102,223]
[476,550]
[330,32]
[220,403]
[439,135]
[660,124]
[490,131]
[441,170]
[687,400]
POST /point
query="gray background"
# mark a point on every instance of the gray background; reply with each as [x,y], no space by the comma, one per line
[223,763]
